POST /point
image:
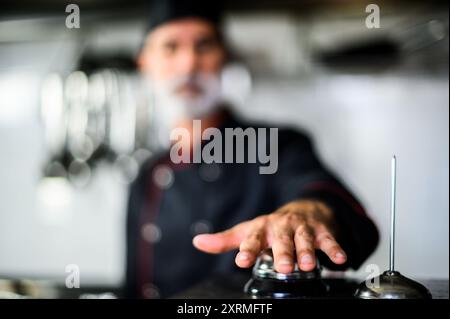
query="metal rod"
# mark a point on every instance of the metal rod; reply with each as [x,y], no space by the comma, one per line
[393,204]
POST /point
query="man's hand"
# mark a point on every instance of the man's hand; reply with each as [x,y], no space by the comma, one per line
[296,229]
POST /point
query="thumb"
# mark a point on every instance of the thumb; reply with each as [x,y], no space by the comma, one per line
[219,242]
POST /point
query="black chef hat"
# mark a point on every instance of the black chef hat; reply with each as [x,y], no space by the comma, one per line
[162,11]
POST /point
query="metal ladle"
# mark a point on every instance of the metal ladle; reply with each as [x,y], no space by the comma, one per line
[391,284]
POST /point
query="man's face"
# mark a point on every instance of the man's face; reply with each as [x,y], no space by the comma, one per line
[181,56]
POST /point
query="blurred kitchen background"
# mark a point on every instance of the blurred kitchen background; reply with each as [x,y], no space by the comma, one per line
[75,121]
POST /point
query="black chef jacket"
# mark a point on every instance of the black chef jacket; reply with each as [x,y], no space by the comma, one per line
[170,203]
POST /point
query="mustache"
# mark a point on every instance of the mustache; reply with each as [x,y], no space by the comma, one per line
[197,82]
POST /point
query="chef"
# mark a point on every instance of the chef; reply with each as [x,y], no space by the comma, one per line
[189,220]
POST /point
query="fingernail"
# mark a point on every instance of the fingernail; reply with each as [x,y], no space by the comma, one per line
[306,259]
[285,261]
[339,255]
[196,239]
[244,256]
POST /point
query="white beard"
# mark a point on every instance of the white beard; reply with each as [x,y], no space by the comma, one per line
[170,108]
